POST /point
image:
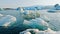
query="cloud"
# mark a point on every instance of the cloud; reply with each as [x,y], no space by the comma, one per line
[21,3]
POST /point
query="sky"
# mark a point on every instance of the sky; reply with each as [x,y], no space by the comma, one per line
[25,3]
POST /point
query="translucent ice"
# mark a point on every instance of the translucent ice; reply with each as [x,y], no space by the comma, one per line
[36,23]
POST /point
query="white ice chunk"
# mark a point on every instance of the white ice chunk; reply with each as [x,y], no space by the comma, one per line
[7,20]
[27,33]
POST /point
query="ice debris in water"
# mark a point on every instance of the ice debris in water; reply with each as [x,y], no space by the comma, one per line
[30,31]
[36,23]
[36,31]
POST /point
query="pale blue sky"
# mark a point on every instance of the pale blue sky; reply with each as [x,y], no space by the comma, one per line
[17,3]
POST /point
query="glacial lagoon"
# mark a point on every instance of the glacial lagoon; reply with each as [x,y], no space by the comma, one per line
[53,18]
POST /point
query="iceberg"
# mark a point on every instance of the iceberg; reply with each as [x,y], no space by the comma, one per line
[15,13]
[7,20]
[36,23]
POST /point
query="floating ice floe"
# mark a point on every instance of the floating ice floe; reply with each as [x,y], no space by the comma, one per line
[53,11]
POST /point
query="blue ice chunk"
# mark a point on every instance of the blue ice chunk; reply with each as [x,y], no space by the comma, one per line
[37,23]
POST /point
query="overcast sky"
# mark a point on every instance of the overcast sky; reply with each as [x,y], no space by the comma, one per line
[21,3]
